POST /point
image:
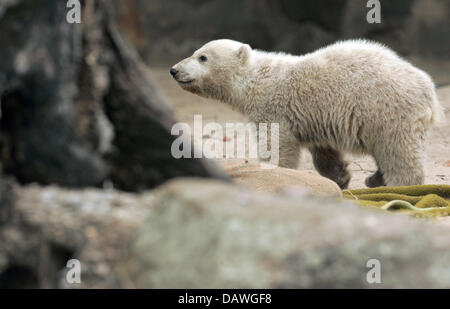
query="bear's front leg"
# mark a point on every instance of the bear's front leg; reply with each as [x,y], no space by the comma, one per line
[289,151]
[282,149]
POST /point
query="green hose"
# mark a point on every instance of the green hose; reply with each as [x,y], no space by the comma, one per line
[407,205]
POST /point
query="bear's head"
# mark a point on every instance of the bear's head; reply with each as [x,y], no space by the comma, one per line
[213,70]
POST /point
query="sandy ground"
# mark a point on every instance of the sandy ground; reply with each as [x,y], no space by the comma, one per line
[438,146]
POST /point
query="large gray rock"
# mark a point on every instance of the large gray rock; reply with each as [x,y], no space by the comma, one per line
[193,233]
[209,235]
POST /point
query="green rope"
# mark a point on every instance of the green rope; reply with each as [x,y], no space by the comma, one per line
[407,205]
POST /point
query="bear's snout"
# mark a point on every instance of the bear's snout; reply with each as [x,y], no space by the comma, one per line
[173,72]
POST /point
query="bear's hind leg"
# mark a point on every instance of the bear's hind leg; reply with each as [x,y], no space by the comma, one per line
[401,166]
[329,163]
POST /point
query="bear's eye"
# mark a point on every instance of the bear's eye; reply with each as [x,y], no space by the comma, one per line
[203,58]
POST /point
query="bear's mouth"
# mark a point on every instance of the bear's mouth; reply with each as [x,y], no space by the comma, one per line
[185,82]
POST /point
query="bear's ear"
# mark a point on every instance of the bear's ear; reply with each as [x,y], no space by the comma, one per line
[244,53]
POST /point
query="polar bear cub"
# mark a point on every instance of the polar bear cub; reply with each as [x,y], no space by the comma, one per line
[353,96]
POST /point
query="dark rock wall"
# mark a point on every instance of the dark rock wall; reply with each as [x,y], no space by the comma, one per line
[38,75]
[177,27]
[77,105]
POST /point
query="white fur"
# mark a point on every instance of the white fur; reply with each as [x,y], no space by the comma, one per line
[353,96]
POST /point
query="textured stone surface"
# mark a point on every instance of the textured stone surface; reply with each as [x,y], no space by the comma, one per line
[48,226]
[77,105]
[276,179]
[208,235]
[193,233]
[38,75]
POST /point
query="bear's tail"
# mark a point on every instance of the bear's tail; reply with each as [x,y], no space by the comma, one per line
[438,115]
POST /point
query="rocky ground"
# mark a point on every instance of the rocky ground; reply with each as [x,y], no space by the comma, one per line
[438,163]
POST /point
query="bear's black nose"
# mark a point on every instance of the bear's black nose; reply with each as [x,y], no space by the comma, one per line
[173,71]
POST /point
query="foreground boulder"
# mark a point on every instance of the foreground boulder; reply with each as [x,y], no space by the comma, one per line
[194,233]
[209,235]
